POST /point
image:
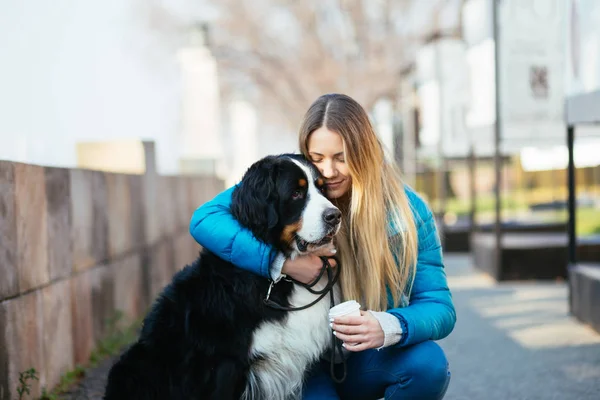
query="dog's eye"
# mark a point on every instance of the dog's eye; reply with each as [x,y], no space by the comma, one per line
[297,194]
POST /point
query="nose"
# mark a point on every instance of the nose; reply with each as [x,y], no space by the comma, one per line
[332,216]
[327,170]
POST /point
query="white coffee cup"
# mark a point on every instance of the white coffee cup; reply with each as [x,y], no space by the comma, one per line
[350,307]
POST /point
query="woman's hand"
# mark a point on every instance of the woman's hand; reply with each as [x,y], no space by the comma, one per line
[307,268]
[359,333]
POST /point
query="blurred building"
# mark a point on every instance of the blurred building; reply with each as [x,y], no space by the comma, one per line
[448,97]
[201,150]
[96,72]
[243,140]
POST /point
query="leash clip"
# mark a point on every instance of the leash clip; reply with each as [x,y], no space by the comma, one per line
[269,291]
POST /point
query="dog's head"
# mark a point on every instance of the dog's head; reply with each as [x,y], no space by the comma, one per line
[280,199]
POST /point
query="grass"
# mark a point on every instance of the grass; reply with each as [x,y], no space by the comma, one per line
[66,381]
[587,218]
[117,338]
[587,221]
[119,334]
[24,378]
[485,204]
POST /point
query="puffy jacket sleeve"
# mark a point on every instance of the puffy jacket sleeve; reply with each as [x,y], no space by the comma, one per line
[214,228]
[430,314]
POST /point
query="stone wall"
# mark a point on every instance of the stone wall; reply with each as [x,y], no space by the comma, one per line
[76,246]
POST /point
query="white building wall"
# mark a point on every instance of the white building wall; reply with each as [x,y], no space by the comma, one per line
[200,102]
[583,46]
[244,126]
[444,94]
[383,119]
[83,71]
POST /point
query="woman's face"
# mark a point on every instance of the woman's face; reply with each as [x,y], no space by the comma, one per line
[326,151]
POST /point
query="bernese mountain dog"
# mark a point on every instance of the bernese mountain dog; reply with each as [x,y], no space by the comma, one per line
[209,334]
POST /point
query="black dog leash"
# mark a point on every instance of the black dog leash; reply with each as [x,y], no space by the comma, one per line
[336,345]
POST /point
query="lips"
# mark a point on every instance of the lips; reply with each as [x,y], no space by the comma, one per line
[303,244]
[333,185]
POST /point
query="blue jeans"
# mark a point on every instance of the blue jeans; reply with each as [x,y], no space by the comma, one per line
[415,372]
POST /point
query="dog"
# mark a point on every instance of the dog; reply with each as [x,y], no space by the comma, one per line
[210,333]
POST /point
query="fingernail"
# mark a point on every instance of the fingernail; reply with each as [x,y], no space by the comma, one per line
[334,333]
[331,320]
[333,251]
[331,326]
[344,345]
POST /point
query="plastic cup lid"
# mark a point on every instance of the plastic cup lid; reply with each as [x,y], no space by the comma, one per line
[344,308]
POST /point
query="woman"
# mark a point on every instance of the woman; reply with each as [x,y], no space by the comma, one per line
[391,256]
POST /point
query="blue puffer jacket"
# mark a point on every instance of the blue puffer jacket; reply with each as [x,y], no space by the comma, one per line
[430,314]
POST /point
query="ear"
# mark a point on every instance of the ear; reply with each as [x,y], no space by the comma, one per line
[255,200]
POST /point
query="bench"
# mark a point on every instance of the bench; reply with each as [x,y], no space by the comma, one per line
[527,256]
[584,294]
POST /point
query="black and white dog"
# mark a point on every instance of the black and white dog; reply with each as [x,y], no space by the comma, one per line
[209,334]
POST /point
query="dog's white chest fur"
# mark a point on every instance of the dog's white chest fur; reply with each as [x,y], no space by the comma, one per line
[290,346]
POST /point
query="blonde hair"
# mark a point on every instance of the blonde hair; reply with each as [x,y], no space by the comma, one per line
[372,260]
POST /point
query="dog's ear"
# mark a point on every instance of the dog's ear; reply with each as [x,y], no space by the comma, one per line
[254,201]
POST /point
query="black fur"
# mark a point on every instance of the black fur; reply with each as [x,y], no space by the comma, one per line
[257,208]
[195,341]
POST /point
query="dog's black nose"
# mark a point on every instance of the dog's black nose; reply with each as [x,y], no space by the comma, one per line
[332,216]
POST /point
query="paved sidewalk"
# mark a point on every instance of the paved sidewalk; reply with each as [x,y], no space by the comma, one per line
[516,341]
[512,341]
[92,386]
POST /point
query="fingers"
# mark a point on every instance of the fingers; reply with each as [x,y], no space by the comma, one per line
[327,251]
[355,343]
[351,334]
[357,329]
[358,347]
[350,339]
[330,248]
[349,320]
[358,333]
[353,325]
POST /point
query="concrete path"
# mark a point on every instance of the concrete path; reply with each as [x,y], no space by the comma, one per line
[92,386]
[517,341]
[512,341]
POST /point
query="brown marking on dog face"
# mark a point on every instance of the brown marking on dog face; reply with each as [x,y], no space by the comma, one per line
[302,182]
[320,182]
[289,232]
